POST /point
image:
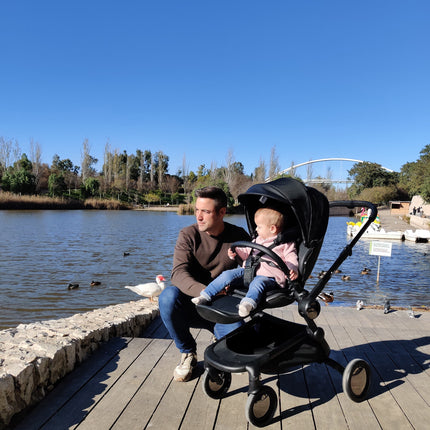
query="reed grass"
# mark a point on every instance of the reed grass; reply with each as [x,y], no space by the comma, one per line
[23,202]
[185,209]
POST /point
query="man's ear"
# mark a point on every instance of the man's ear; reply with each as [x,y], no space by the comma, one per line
[222,211]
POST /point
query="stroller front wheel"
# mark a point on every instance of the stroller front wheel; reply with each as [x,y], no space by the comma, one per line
[356,380]
[216,386]
[261,406]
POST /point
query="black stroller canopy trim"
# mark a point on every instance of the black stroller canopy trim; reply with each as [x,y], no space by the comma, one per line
[309,207]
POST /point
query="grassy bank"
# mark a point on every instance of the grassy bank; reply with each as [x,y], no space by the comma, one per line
[13,201]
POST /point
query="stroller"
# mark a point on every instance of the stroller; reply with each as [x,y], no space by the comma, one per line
[268,344]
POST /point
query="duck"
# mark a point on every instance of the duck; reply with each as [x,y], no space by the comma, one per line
[72,286]
[94,283]
[321,274]
[365,271]
[387,307]
[359,304]
[326,298]
[338,271]
[346,278]
[126,254]
[150,289]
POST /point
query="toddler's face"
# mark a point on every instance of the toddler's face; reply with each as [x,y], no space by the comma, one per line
[264,229]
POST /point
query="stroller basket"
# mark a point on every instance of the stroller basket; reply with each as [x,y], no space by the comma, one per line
[268,344]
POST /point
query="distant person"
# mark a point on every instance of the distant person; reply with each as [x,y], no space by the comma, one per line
[414,210]
[200,256]
[269,223]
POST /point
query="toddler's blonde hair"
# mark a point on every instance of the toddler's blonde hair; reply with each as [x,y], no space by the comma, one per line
[272,217]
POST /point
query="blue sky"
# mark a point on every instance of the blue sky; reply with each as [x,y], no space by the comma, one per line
[197,79]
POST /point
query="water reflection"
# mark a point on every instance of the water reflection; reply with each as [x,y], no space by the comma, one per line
[43,251]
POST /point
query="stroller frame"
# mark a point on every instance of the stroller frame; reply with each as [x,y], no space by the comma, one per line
[268,344]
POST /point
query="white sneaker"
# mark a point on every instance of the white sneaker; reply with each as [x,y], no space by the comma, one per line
[184,370]
[245,308]
[200,300]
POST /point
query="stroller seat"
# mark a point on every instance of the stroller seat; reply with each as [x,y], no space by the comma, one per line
[272,345]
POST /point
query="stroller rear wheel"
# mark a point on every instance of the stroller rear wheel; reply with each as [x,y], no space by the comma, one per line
[261,406]
[217,385]
[356,380]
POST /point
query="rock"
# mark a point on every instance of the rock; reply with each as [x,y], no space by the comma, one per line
[34,357]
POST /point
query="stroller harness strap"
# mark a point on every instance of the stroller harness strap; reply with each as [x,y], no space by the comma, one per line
[252,263]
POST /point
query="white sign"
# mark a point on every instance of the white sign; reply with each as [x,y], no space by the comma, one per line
[380,248]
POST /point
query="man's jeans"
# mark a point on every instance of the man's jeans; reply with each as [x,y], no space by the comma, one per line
[179,314]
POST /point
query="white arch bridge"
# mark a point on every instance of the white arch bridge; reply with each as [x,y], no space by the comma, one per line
[329,176]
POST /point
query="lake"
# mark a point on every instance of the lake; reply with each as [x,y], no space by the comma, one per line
[42,252]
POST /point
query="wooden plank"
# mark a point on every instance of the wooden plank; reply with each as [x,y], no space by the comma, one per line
[296,411]
[231,412]
[178,395]
[202,410]
[133,388]
[145,400]
[72,383]
[127,381]
[381,398]
[357,415]
[325,406]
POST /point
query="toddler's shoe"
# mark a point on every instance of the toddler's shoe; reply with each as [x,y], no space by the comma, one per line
[200,300]
[245,308]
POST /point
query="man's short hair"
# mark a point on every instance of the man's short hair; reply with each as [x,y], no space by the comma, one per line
[213,193]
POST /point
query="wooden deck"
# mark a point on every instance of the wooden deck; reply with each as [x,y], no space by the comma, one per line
[127,384]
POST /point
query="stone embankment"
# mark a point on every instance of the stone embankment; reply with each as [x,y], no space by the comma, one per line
[34,357]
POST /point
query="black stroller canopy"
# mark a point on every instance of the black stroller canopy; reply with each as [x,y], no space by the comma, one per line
[308,206]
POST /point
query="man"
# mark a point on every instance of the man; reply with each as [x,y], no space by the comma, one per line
[200,256]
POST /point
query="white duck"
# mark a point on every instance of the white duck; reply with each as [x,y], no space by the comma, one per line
[151,289]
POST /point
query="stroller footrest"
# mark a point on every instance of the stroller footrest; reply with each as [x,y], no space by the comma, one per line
[222,310]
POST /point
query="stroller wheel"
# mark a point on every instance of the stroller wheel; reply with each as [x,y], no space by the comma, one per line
[261,406]
[356,380]
[216,386]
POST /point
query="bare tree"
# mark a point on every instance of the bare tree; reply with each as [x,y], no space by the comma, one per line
[141,171]
[152,170]
[36,161]
[292,170]
[213,171]
[274,163]
[162,162]
[260,172]
[87,161]
[9,152]
[108,166]
[129,164]
[309,172]
[228,171]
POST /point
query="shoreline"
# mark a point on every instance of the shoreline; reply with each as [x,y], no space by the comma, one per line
[36,356]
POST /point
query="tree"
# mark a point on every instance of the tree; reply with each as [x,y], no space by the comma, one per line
[162,165]
[90,187]
[36,160]
[19,178]
[379,195]
[56,184]
[415,176]
[65,169]
[87,161]
[369,175]
[274,163]
[260,172]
